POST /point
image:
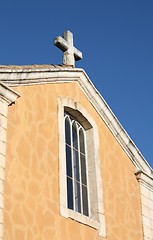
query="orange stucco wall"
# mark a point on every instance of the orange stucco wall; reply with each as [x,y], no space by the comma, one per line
[31,210]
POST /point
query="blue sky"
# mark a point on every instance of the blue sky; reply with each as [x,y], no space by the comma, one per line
[116,39]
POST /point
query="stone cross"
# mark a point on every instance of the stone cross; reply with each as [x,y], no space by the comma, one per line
[71,53]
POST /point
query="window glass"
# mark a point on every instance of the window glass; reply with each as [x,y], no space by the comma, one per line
[67,131]
[69,193]
[76,165]
[75,137]
[81,138]
[76,169]
[68,161]
[85,200]
[83,168]
[77,197]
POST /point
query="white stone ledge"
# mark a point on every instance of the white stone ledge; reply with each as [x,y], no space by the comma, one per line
[145,179]
[7,94]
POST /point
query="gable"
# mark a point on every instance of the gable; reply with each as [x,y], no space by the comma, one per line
[33,160]
[44,74]
[33,123]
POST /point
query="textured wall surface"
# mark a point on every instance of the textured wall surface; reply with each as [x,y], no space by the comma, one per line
[32,172]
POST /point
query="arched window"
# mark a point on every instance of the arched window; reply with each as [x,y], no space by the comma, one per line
[76,166]
[80,182]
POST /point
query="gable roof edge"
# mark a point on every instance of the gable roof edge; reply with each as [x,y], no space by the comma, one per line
[27,75]
[116,128]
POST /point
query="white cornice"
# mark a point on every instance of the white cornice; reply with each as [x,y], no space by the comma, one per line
[7,94]
[145,179]
[49,74]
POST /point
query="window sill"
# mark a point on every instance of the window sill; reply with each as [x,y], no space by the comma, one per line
[89,221]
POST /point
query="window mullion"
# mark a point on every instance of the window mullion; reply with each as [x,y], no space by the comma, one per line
[72,154]
[80,171]
[88,195]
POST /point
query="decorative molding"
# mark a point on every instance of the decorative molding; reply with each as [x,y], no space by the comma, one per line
[7,96]
[144,179]
[146,190]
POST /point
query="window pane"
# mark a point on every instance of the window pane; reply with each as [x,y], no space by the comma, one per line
[68,161]
[67,131]
[76,165]
[81,138]
[85,200]
[83,169]
[75,138]
[69,193]
[77,197]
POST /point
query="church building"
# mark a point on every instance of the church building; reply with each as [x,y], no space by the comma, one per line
[68,168]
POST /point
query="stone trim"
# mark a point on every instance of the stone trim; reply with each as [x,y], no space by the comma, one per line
[96,218]
[51,74]
[146,190]
[7,96]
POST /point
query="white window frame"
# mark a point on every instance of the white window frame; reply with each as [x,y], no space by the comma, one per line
[96,218]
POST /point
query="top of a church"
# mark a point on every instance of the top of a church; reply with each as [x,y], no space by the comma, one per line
[12,75]
[70,55]
[65,43]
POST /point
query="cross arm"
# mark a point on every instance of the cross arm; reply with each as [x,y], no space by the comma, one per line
[61,43]
[77,54]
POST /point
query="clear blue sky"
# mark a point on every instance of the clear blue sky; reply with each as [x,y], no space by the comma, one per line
[116,38]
